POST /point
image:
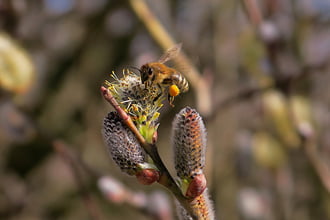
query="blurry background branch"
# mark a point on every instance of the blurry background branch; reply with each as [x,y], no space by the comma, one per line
[317,160]
[156,205]
[252,9]
[91,206]
[286,81]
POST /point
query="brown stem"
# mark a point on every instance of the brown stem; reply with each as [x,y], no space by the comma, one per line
[319,165]
[123,115]
[253,11]
[309,143]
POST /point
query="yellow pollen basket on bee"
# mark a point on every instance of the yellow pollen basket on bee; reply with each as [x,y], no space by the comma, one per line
[173,90]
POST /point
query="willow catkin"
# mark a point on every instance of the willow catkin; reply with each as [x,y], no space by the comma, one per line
[122,144]
[189,143]
[201,206]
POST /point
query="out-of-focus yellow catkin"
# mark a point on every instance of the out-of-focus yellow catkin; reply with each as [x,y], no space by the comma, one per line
[301,110]
[277,111]
[267,151]
[16,67]
[252,51]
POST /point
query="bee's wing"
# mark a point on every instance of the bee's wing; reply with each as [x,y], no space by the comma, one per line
[170,53]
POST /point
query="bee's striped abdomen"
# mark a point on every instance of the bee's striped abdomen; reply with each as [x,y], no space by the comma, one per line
[182,83]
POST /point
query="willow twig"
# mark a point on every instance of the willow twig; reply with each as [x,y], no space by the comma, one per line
[165,177]
[91,207]
[163,38]
[237,97]
[318,163]
[253,11]
[309,144]
[76,163]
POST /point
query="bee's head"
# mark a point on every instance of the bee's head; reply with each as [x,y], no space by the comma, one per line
[147,72]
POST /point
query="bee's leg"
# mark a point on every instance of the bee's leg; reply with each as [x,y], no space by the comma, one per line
[146,86]
[170,100]
[157,97]
[160,93]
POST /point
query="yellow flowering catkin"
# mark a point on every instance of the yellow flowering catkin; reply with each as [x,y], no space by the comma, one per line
[141,103]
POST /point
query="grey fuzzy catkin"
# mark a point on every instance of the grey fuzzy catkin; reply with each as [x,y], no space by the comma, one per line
[122,144]
[202,206]
[189,143]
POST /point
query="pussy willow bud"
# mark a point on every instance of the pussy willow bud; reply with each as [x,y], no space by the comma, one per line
[196,186]
[122,144]
[189,143]
[147,176]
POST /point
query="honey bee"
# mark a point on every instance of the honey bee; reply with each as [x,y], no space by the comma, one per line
[168,79]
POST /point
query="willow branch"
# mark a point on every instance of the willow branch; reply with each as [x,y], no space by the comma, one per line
[165,177]
[253,11]
[308,141]
[123,195]
[317,162]
[163,38]
[91,207]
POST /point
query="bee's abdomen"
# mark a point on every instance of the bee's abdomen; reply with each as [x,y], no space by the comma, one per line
[182,83]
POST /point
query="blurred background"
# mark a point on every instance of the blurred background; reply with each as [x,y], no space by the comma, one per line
[263,64]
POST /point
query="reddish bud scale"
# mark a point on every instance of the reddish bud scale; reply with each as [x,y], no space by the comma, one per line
[196,186]
[122,144]
[189,143]
[147,176]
